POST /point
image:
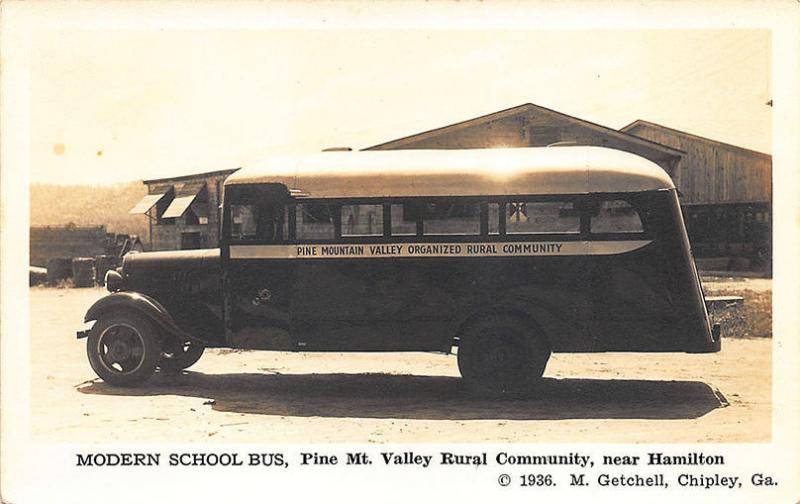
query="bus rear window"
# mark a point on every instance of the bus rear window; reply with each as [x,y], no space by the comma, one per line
[616,216]
[536,217]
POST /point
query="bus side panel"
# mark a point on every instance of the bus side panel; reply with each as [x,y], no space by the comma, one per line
[633,307]
[420,304]
[369,305]
[551,292]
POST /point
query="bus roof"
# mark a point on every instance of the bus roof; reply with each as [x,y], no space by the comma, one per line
[470,172]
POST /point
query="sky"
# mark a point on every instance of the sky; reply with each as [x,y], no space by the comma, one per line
[121,105]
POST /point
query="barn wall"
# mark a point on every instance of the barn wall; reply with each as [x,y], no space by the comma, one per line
[714,172]
[726,193]
[508,132]
[530,128]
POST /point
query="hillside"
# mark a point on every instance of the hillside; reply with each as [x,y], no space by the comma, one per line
[56,205]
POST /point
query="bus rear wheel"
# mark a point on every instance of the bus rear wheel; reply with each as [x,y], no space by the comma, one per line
[180,356]
[503,356]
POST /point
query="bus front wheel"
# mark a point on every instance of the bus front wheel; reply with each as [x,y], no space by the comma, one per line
[502,356]
[123,349]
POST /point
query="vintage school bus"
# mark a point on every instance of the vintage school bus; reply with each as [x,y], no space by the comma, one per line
[505,254]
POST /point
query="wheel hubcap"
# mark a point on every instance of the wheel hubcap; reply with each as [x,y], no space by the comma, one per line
[497,359]
[121,348]
[119,351]
[500,356]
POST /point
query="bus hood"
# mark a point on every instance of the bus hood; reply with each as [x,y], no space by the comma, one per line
[171,260]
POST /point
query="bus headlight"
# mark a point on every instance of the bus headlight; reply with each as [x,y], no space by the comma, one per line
[113,281]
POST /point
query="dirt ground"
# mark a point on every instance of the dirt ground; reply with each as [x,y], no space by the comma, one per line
[378,398]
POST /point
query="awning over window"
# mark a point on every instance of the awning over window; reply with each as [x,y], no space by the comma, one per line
[150,200]
[183,198]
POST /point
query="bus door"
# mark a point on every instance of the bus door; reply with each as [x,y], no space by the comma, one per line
[258,275]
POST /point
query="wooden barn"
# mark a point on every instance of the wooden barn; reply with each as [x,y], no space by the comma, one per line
[184,211]
[530,125]
[726,194]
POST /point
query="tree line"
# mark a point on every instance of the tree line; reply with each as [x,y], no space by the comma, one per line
[59,205]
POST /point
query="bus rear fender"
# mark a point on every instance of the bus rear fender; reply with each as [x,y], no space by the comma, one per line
[537,318]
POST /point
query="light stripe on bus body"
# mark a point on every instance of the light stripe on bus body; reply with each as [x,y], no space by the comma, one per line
[394,250]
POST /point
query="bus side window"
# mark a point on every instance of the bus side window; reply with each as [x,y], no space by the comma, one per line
[533,217]
[494,218]
[262,223]
[362,220]
[315,221]
[244,222]
[616,216]
[404,219]
[451,218]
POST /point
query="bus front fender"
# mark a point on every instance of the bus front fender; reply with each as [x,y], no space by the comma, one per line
[133,301]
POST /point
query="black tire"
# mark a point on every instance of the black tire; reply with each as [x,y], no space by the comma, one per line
[123,349]
[182,357]
[502,355]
